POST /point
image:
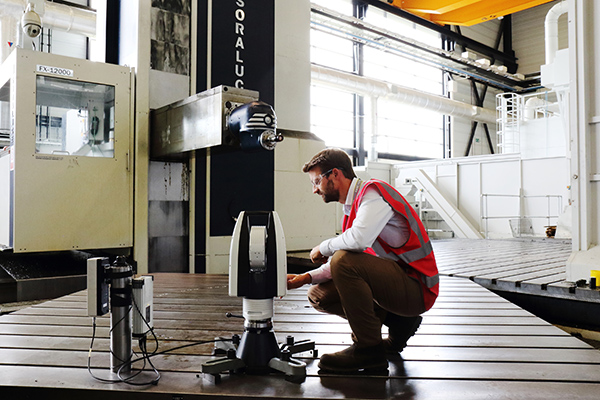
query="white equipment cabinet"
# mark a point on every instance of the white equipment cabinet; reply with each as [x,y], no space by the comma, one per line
[66,176]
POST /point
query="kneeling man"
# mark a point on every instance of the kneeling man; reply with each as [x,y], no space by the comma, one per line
[380,270]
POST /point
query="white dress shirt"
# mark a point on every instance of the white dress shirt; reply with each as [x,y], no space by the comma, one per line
[374,218]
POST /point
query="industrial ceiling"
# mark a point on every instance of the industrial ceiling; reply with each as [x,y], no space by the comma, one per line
[463,12]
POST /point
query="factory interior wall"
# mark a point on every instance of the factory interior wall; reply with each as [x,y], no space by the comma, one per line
[305,218]
[464,180]
[461,127]
[485,33]
[528,37]
[168,213]
[528,44]
[168,181]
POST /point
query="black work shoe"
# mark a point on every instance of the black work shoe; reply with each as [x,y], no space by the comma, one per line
[400,330]
[354,359]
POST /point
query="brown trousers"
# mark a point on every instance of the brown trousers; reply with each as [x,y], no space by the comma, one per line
[363,289]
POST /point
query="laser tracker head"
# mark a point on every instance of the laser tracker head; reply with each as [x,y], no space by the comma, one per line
[257,257]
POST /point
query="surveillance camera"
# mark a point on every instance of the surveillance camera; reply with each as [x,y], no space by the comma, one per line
[31,22]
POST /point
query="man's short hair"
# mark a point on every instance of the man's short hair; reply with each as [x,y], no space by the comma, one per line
[331,158]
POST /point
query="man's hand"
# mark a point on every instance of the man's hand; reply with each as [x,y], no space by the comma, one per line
[316,256]
[295,281]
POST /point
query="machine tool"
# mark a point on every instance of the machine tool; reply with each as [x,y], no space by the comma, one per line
[257,272]
[223,115]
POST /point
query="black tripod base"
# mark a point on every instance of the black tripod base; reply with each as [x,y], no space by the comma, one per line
[257,348]
[258,354]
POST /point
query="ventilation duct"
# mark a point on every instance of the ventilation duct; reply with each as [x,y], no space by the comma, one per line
[55,15]
[551,29]
[372,87]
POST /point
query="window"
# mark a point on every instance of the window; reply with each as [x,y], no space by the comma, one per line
[332,116]
[388,128]
[74,118]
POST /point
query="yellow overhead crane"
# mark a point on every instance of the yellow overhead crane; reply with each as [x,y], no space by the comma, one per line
[463,12]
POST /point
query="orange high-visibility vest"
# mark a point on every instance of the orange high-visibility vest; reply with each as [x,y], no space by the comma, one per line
[417,251]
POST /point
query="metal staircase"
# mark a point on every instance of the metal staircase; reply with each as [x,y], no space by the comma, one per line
[434,224]
[459,224]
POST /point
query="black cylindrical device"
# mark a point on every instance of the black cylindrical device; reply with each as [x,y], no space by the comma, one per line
[120,317]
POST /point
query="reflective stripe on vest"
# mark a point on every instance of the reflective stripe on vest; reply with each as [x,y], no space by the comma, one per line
[425,248]
[430,281]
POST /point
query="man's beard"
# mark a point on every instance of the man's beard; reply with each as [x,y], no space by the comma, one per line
[330,194]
